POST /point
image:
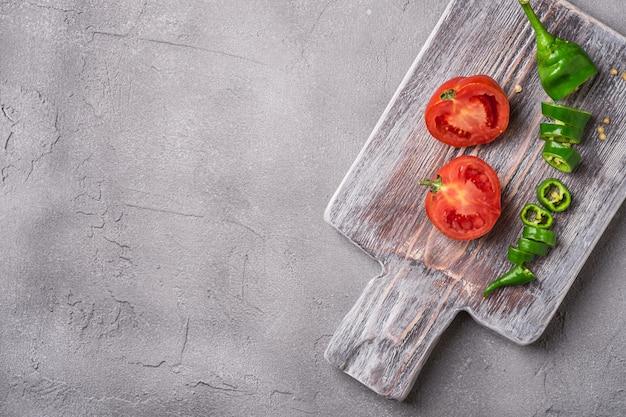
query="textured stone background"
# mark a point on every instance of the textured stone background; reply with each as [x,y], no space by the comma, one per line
[164,170]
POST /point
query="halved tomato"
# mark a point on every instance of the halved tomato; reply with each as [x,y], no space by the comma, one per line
[467,111]
[464,198]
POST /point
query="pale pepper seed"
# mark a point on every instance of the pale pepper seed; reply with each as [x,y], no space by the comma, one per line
[601,134]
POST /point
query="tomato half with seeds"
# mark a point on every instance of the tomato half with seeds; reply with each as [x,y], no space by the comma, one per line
[467,111]
[464,200]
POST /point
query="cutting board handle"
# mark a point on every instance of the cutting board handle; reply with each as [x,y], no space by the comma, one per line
[385,339]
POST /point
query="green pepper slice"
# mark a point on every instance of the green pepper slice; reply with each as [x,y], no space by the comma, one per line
[518,275]
[532,246]
[562,65]
[537,216]
[560,133]
[517,256]
[560,156]
[554,195]
[539,235]
[565,115]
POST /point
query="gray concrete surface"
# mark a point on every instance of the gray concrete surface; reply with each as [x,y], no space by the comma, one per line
[165,166]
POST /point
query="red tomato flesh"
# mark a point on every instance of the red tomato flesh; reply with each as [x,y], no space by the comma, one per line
[467,111]
[464,200]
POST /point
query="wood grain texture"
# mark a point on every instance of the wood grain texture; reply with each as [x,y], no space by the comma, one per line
[427,279]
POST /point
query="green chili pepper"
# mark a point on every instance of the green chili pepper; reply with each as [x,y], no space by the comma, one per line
[562,65]
[565,115]
[518,256]
[518,275]
[537,216]
[539,235]
[532,246]
[554,195]
[560,133]
[560,156]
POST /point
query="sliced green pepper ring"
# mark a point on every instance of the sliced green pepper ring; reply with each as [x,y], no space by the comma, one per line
[554,195]
[539,235]
[560,133]
[532,246]
[560,156]
[565,115]
[537,216]
[518,257]
[518,275]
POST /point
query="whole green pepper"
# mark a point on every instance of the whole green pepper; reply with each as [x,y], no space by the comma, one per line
[562,65]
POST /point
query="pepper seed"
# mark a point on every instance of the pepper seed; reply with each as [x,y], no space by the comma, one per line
[606,121]
[602,136]
[600,129]
[613,71]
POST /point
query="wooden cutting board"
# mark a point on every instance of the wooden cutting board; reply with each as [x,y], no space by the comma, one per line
[427,279]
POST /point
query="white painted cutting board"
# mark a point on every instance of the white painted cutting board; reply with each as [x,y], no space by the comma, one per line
[427,279]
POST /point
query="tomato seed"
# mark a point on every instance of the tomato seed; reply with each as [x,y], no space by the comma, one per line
[478,222]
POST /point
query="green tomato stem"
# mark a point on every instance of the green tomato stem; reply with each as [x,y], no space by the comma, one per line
[435,185]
